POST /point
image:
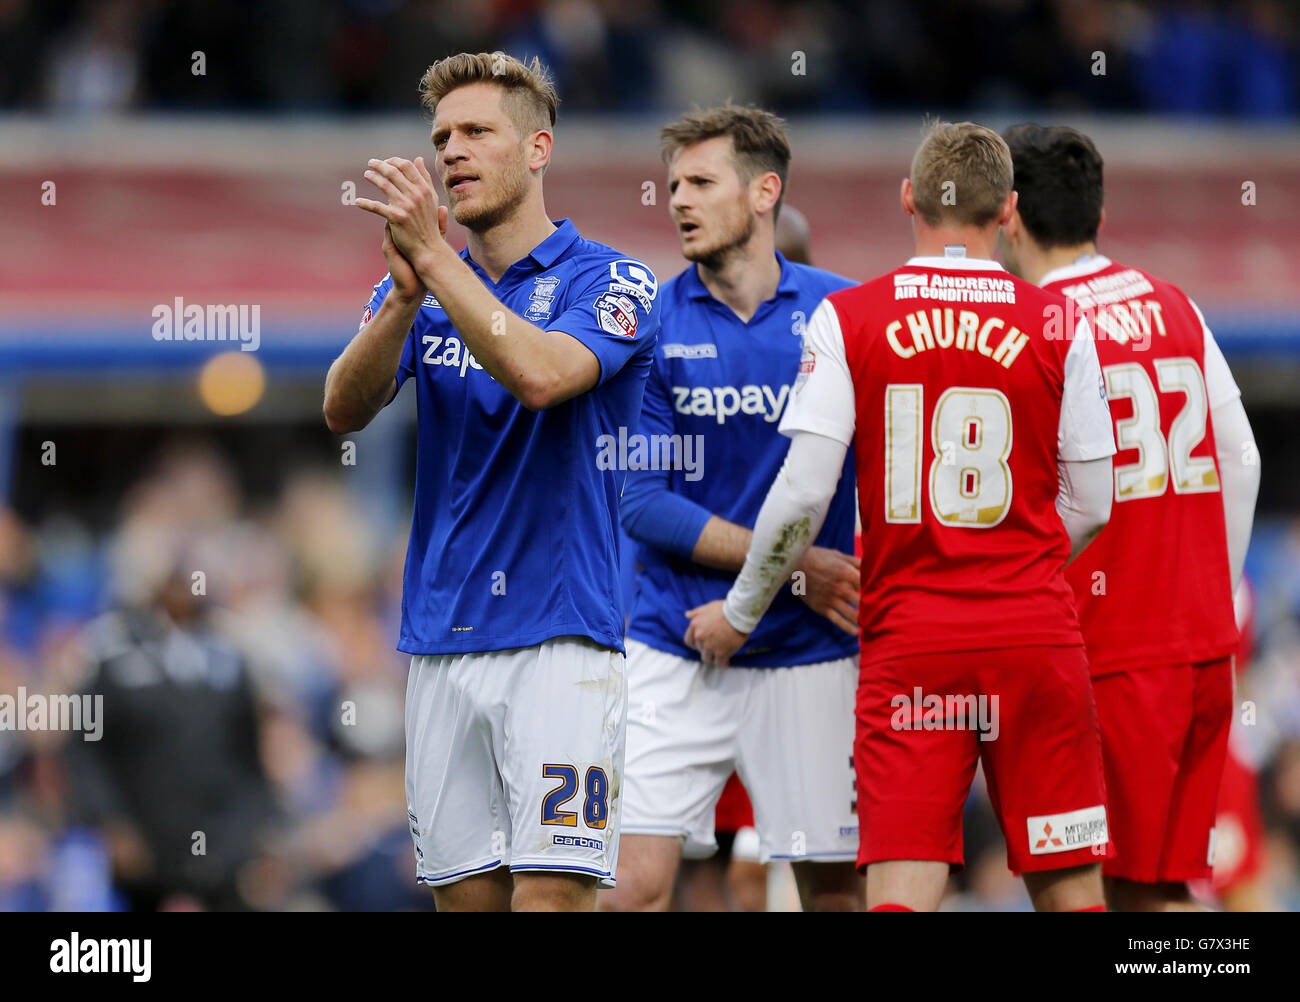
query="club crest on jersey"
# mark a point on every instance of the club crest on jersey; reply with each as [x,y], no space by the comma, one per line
[616,314]
[543,299]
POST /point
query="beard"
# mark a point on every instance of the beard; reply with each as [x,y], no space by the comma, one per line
[499,205]
[713,258]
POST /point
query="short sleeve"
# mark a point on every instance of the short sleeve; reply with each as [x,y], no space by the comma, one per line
[406,364]
[822,400]
[1084,430]
[615,315]
[1220,387]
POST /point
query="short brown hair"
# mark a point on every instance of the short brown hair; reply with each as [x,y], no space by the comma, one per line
[758,140]
[961,174]
[1058,182]
[529,96]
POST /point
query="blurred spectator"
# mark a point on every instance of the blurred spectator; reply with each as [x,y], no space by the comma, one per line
[1161,56]
[175,780]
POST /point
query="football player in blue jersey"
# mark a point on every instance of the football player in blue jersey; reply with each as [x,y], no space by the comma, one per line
[527,349]
[782,713]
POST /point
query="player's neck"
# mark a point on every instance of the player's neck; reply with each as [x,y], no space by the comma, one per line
[1039,262]
[933,241]
[495,249]
[746,278]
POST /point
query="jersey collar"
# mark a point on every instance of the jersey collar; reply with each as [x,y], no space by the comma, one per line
[1079,269]
[553,247]
[545,254]
[955,263]
[786,285]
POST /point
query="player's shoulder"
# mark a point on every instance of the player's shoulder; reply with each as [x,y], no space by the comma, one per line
[817,281]
[869,291]
[1026,292]
[595,257]
[1162,287]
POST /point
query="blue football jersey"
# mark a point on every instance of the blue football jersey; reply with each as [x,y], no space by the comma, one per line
[724,383]
[514,538]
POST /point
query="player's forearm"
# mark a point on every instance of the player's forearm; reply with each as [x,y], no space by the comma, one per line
[789,521]
[652,514]
[1239,479]
[1084,498]
[528,361]
[360,380]
[722,544]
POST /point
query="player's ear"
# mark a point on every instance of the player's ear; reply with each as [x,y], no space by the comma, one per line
[1101,220]
[767,190]
[906,198]
[539,151]
[1011,228]
[1009,208]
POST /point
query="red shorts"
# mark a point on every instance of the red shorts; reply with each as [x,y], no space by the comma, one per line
[1164,735]
[1027,712]
[734,810]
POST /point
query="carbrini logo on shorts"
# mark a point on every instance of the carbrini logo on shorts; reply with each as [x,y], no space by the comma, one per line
[1065,832]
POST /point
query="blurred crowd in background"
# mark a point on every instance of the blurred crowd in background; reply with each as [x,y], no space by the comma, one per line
[254,753]
[1193,57]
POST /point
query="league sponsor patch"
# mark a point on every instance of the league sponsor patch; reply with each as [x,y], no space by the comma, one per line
[616,314]
[1068,831]
[366,314]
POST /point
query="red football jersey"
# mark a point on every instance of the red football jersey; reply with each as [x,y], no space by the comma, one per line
[1155,587]
[960,409]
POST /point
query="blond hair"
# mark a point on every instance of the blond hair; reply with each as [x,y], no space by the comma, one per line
[758,140]
[961,174]
[528,97]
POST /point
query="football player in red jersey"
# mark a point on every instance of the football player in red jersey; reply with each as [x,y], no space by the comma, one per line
[1155,591]
[983,451]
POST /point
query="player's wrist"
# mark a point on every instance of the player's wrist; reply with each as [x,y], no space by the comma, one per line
[735,619]
[431,263]
[405,300]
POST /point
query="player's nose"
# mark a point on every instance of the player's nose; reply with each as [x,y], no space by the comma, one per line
[453,149]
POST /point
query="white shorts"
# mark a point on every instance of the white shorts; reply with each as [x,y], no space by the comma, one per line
[787,731]
[515,758]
